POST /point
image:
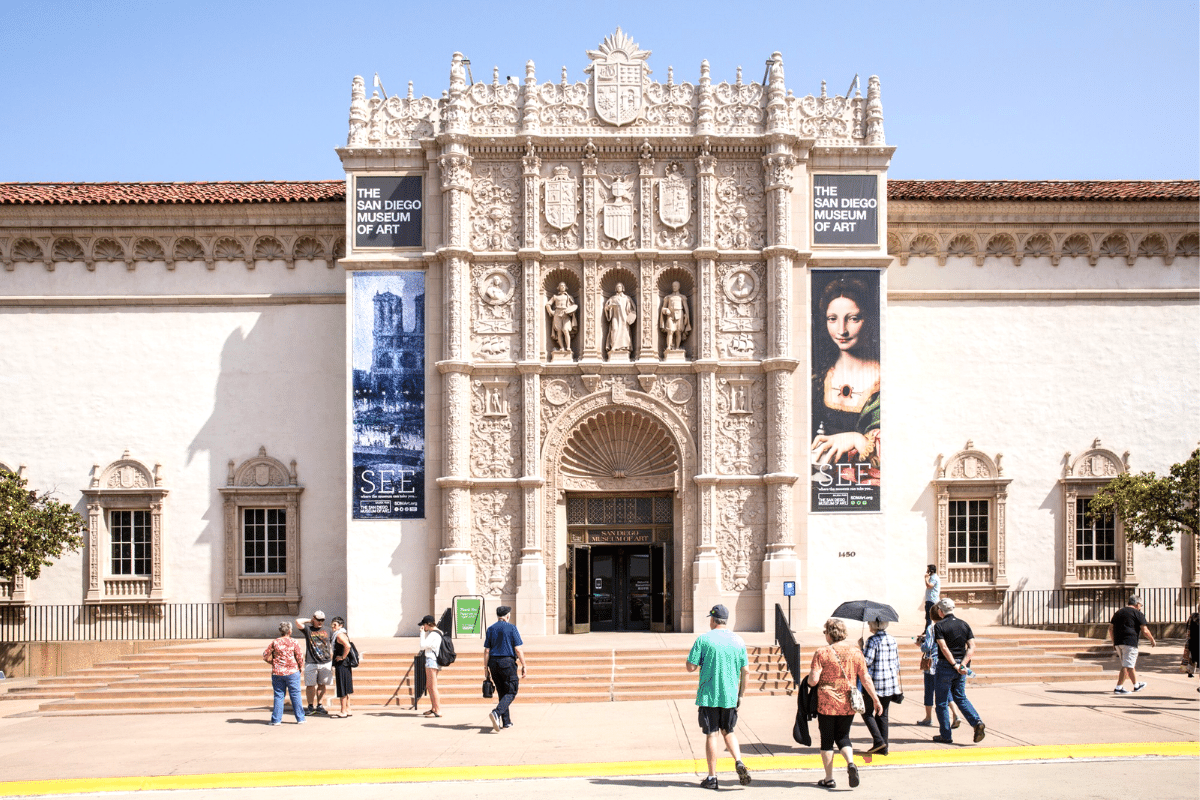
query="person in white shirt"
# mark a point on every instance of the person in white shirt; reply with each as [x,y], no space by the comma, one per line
[431,641]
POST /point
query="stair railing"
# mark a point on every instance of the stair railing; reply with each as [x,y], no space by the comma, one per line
[787,644]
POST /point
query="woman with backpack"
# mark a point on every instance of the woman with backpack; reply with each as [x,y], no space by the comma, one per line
[342,673]
[431,642]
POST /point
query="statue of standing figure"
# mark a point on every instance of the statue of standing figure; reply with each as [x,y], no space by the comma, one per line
[561,308]
[676,319]
[620,315]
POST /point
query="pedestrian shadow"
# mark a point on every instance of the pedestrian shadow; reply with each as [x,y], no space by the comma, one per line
[241,721]
[690,785]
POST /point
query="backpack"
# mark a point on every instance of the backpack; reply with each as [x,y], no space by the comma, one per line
[446,654]
[353,659]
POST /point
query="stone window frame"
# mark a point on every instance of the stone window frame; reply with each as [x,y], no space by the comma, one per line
[261,482]
[1082,478]
[124,485]
[14,591]
[970,474]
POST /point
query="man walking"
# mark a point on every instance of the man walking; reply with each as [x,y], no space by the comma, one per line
[318,662]
[501,656]
[933,590]
[956,644]
[1125,629]
[720,655]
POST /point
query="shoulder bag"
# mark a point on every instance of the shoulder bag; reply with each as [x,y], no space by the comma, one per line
[856,698]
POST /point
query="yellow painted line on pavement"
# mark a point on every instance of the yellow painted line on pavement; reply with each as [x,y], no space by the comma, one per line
[249,780]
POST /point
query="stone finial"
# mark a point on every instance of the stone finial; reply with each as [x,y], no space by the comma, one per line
[95,475]
[158,474]
[999,469]
[941,471]
[1096,443]
[970,445]
[293,477]
[1125,460]
[530,79]
[705,76]
[495,76]
[739,75]
[564,75]
[670,76]
[458,73]
[1067,470]
[874,116]
[229,476]
[359,114]
[410,90]
[262,451]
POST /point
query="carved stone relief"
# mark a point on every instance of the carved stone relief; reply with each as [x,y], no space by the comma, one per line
[495,435]
[675,202]
[495,540]
[495,298]
[618,208]
[741,532]
[741,310]
[494,216]
[561,200]
[557,393]
[678,391]
[741,444]
[741,207]
[739,105]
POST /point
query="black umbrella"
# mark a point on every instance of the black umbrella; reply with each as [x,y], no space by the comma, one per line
[866,611]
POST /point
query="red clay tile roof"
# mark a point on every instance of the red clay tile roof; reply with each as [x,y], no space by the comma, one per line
[1044,190]
[335,191]
[166,193]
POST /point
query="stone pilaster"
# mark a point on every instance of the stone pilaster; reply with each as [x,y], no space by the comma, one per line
[646,197]
[647,308]
[589,300]
[532,166]
[531,568]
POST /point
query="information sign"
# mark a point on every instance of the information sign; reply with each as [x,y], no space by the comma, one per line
[387,211]
[468,615]
[845,209]
[789,588]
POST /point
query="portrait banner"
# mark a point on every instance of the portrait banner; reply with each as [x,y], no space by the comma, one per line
[846,434]
[388,475]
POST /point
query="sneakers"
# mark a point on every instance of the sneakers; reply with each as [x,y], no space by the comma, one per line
[1121,690]
[1137,687]
[940,740]
[925,723]
[980,732]
[955,724]
[743,773]
[495,718]
[508,725]
[320,709]
[709,783]
[309,710]
[273,724]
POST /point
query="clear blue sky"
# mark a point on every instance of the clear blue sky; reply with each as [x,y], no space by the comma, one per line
[163,90]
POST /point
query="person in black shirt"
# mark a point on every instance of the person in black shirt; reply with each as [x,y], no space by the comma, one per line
[956,645]
[1125,629]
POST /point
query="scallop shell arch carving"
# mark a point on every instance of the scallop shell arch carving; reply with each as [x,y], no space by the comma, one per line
[619,443]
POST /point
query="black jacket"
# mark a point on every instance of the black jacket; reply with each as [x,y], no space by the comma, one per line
[806,709]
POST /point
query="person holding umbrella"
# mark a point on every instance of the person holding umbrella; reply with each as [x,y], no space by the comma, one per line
[883,663]
[834,670]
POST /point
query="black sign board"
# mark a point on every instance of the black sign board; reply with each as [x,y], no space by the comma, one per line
[387,211]
[845,209]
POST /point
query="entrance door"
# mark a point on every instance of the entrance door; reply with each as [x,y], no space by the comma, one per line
[621,588]
[660,588]
[579,597]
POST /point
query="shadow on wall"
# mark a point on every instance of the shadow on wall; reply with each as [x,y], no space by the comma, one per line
[280,387]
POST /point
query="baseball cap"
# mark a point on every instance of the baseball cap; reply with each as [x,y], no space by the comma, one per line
[719,612]
[318,615]
[945,605]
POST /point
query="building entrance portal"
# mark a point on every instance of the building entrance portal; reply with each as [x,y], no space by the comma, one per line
[619,569]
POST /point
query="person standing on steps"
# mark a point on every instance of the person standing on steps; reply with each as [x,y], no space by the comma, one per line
[1126,627]
[502,655]
[431,642]
[720,655]
[318,666]
[956,648]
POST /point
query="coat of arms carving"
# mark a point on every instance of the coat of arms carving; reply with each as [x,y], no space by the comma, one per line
[674,197]
[561,199]
[619,78]
[618,215]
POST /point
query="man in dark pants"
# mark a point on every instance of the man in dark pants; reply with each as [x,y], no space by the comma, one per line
[501,656]
[956,645]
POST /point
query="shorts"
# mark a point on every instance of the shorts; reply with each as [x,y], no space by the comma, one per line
[717,719]
[318,674]
[431,662]
[1129,654]
[835,731]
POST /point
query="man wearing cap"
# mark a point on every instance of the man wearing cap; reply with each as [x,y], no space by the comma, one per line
[1125,629]
[501,656]
[720,655]
[318,661]
[956,646]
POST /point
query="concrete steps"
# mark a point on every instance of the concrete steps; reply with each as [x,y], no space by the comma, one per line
[228,676]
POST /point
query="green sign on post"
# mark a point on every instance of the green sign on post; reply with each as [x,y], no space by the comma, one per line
[468,615]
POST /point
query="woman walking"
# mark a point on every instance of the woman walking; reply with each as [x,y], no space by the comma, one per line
[343,675]
[431,641]
[834,670]
[286,657]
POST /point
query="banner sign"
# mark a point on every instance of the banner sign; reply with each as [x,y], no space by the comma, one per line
[845,391]
[387,211]
[845,209]
[389,395]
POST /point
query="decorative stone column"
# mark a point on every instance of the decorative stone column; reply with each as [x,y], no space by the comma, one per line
[648,308]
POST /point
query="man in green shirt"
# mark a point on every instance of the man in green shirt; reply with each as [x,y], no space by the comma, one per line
[720,655]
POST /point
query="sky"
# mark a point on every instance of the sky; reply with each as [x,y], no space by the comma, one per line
[147,90]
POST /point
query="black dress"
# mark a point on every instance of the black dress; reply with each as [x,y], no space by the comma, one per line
[342,674]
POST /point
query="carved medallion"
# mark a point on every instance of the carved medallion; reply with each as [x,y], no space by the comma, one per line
[557,392]
[619,71]
[741,286]
[562,199]
[678,391]
[674,198]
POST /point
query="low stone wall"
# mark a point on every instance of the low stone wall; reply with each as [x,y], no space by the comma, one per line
[45,659]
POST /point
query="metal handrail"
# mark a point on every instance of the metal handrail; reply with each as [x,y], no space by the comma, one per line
[787,644]
[1094,606]
[119,622]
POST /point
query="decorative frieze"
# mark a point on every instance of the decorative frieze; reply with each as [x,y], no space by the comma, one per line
[495,540]
[741,532]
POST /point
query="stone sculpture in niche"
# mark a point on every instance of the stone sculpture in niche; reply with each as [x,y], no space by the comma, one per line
[676,321]
[620,315]
[562,309]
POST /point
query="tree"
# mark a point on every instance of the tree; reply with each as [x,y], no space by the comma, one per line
[1154,509]
[34,529]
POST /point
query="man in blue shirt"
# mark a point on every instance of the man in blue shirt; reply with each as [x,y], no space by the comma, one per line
[933,590]
[501,656]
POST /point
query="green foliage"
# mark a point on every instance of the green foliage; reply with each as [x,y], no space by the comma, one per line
[1154,509]
[34,529]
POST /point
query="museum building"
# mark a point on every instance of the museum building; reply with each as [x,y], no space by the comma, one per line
[608,350]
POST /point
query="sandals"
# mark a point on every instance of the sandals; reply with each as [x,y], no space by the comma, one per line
[852,771]
[827,783]
[431,713]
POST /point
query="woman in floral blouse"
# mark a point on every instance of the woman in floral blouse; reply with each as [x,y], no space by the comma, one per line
[286,657]
[834,670]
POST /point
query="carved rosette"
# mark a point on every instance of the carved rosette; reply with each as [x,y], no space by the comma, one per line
[495,540]
[741,206]
[741,310]
[741,537]
[557,393]
[497,205]
[495,438]
[741,446]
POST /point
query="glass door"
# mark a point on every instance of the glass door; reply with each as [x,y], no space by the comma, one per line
[579,597]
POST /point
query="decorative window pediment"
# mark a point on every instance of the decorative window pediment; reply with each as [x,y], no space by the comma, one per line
[262,537]
[1095,553]
[124,553]
[971,554]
